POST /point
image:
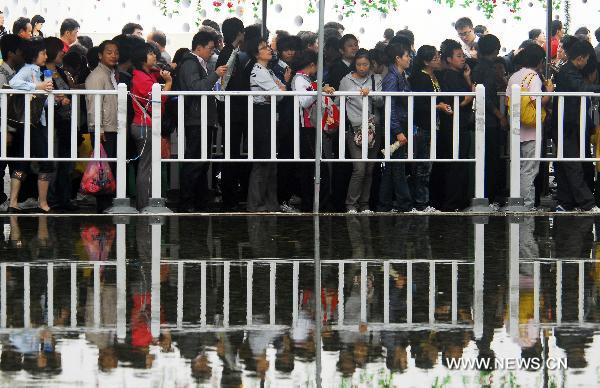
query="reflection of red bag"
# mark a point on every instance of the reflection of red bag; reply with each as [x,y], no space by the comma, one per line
[98,177]
[98,242]
[165,148]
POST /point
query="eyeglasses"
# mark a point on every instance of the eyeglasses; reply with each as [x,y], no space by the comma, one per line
[264,48]
[465,33]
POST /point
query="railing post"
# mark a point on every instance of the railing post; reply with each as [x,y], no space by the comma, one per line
[515,203]
[480,203]
[157,204]
[121,204]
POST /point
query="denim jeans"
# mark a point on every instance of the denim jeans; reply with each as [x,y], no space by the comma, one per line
[394,184]
[419,179]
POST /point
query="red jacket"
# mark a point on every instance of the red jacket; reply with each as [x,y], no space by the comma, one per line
[141,88]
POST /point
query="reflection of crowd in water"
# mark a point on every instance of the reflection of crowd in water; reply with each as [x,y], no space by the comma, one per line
[245,352]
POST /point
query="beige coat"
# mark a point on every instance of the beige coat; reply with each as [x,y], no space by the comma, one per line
[101,78]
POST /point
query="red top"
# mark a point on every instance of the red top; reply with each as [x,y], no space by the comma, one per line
[65,47]
[141,88]
[554,47]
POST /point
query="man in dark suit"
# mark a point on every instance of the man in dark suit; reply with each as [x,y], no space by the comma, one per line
[194,76]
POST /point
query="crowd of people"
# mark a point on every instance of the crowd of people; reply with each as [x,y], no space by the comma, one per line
[235,57]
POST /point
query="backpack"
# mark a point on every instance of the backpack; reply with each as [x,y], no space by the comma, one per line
[330,110]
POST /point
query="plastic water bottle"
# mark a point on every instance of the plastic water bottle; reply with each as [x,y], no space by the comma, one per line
[48,74]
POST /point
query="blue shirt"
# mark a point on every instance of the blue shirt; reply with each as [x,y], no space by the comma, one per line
[26,79]
[396,82]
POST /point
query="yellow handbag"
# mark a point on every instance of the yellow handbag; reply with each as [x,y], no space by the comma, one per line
[528,111]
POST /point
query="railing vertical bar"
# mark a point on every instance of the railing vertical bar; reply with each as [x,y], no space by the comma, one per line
[559,292]
[342,130]
[97,123]
[582,127]
[411,127]
[180,127]
[121,173]
[3,124]
[409,298]
[295,278]
[388,116]
[26,297]
[249,284]
[455,128]
[536,292]
[73,311]
[454,292]
[27,133]
[273,127]
[250,128]
[432,292]
[363,292]
[155,144]
[50,125]
[538,127]
[433,146]
[204,127]
[272,283]
[364,128]
[341,293]
[203,293]
[515,142]
[180,269]
[74,125]
[50,294]
[228,127]
[581,293]
[226,273]
[97,315]
[561,126]
[386,292]
[3,285]
[296,118]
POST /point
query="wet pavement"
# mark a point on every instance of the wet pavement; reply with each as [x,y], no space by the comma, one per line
[402,300]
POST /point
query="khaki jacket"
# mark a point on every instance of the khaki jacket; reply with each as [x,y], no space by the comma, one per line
[101,78]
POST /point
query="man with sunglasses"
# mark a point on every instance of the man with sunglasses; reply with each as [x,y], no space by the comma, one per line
[466,33]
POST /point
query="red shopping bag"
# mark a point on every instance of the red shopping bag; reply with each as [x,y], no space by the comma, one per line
[98,178]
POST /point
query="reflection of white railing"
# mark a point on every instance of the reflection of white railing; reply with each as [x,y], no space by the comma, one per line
[515,263]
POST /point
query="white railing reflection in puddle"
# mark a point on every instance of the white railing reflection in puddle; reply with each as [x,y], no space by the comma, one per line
[225,267]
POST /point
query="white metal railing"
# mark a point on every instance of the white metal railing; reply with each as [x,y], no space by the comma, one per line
[121,153]
[157,93]
[515,132]
[478,159]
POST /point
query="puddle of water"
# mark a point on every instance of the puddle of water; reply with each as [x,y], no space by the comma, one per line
[402,300]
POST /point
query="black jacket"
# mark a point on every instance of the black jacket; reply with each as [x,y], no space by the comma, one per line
[337,71]
[239,81]
[422,82]
[485,73]
[191,76]
[569,79]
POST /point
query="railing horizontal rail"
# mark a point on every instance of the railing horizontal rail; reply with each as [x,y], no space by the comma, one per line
[55,92]
[310,93]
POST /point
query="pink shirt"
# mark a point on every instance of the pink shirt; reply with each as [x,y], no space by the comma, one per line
[535,86]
